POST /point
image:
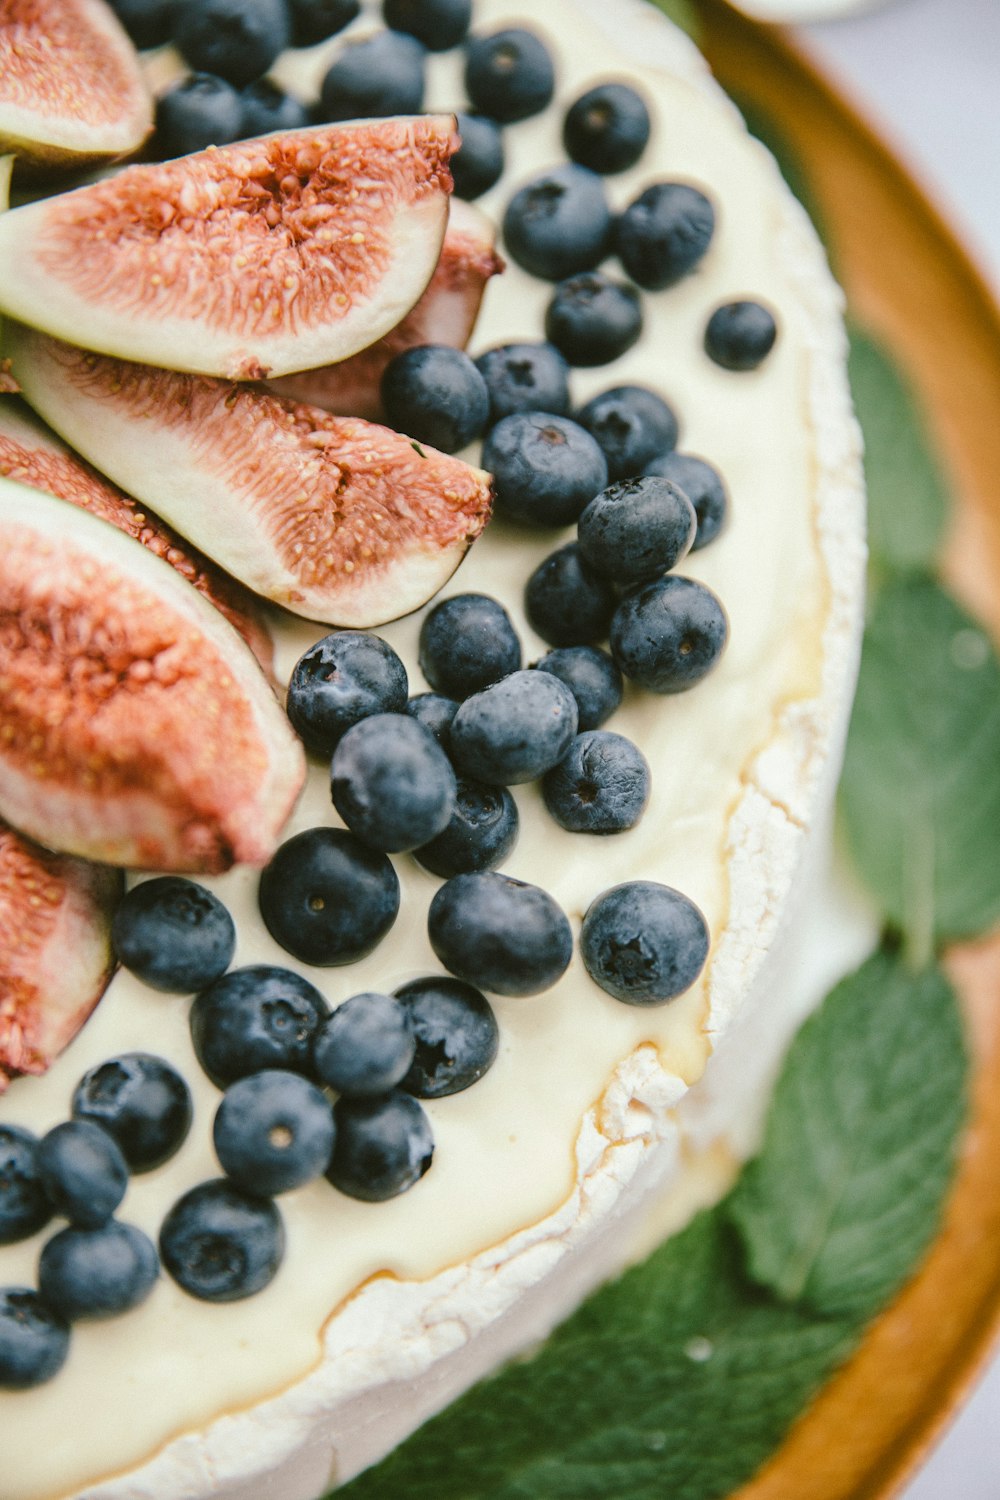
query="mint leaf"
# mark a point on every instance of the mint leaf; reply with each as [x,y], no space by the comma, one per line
[860,1142]
[920,793]
[683,13]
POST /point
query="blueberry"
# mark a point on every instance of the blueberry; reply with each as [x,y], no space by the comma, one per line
[632,424]
[97,1273]
[566,602]
[392,783]
[515,730]
[24,1205]
[327,898]
[669,635]
[500,934]
[607,128]
[34,1339]
[256,1018]
[644,943]
[593,319]
[173,934]
[381,76]
[479,161]
[482,832]
[740,335]
[509,75]
[439,24]
[456,1034]
[704,488]
[467,642]
[592,678]
[198,112]
[545,468]
[637,529]
[664,234]
[346,676]
[366,1047]
[384,1146]
[149,23]
[266,108]
[436,395]
[559,223]
[315,20]
[523,378]
[84,1172]
[601,785]
[435,713]
[140,1100]
[273,1132]
[236,39]
[221,1243]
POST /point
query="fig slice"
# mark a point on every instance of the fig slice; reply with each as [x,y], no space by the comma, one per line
[337,519]
[135,726]
[445,314]
[55,950]
[273,255]
[32,455]
[71,86]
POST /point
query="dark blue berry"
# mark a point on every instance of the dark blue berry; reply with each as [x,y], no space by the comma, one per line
[221,1243]
[592,678]
[236,39]
[381,76]
[434,712]
[559,223]
[704,488]
[515,730]
[24,1205]
[266,108]
[84,1172]
[545,468]
[479,161]
[315,20]
[669,635]
[467,642]
[140,1100]
[327,898]
[509,75]
[343,678]
[593,319]
[664,234]
[632,424]
[34,1339]
[200,111]
[97,1273]
[439,24]
[273,1132]
[366,1047]
[392,783]
[456,1034]
[607,128]
[740,335]
[173,934]
[567,603]
[384,1146]
[482,832]
[637,529]
[149,23]
[436,395]
[644,943]
[500,934]
[601,785]
[525,378]
[256,1018]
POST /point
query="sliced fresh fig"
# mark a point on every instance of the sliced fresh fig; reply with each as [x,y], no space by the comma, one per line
[71,86]
[445,314]
[335,518]
[55,950]
[135,726]
[273,255]
[32,455]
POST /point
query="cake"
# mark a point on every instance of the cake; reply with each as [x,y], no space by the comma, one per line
[544,1170]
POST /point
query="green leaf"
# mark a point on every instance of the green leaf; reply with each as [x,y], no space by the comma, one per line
[920,793]
[683,13]
[860,1143]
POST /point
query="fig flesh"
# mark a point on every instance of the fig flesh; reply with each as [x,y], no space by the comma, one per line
[337,519]
[135,726]
[277,254]
[71,87]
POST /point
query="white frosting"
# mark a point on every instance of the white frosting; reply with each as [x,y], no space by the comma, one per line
[381,1312]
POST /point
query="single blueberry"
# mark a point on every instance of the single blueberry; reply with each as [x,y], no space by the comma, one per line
[500,934]
[381,76]
[607,128]
[434,712]
[482,832]
[256,1018]
[24,1206]
[593,319]
[327,898]
[366,1047]
[384,1146]
[266,108]
[545,468]
[199,111]
[664,234]
[84,1172]
[346,676]
[435,395]
[669,635]
[456,1033]
[173,934]
[509,75]
[643,943]
[150,23]
[525,378]
[392,783]
[273,1132]
[479,161]
[315,20]
[34,1339]
[515,730]
[140,1100]
[740,335]
[632,424]
[236,39]
[601,785]
[221,1243]
[559,223]
[637,529]
[567,603]
[704,488]
[467,642]
[97,1273]
[439,24]
[592,678]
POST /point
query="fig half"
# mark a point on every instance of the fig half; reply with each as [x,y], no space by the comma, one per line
[269,256]
[135,726]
